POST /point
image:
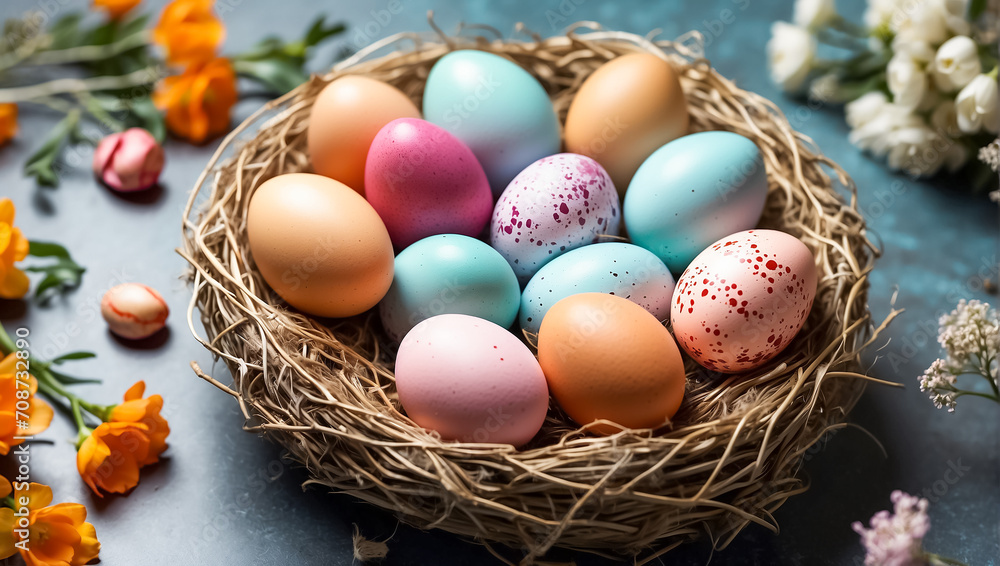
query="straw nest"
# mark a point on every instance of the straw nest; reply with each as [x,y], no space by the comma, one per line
[324,389]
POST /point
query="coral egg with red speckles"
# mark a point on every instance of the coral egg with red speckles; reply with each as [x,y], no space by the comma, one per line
[134,311]
[743,299]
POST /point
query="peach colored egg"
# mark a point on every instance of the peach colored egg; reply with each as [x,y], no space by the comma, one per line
[345,118]
[319,245]
[134,311]
[470,380]
[608,358]
[743,299]
[624,111]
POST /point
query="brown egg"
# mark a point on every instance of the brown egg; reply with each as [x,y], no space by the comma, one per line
[345,118]
[605,357]
[319,245]
[625,111]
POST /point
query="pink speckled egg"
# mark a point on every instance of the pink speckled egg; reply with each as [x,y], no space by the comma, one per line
[134,311]
[554,205]
[423,181]
[471,380]
[743,299]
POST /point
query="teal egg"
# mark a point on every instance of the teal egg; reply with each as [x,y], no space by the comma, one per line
[496,108]
[693,191]
[615,268]
[449,274]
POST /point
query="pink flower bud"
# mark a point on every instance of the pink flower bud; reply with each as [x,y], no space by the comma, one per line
[129,161]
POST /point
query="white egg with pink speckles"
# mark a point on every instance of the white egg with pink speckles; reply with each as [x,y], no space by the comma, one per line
[554,205]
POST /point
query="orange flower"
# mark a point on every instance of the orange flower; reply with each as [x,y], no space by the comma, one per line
[13,248]
[116,8]
[21,412]
[56,535]
[189,31]
[198,101]
[111,456]
[146,411]
[8,122]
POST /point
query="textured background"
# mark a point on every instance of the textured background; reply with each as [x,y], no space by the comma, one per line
[222,496]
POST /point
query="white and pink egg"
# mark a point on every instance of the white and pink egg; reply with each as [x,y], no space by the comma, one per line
[743,299]
[556,204]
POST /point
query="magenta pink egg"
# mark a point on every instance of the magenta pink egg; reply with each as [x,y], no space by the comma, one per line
[743,299]
[423,181]
[471,380]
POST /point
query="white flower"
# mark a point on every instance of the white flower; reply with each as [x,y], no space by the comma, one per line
[939,383]
[865,108]
[920,20]
[879,12]
[907,81]
[955,13]
[877,124]
[916,149]
[945,120]
[917,50]
[824,88]
[976,106]
[814,14]
[790,51]
[956,63]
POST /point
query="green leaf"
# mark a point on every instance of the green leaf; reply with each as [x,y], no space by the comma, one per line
[41,164]
[133,26]
[73,356]
[142,113]
[65,32]
[318,33]
[278,75]
[976,8]
[69,379]
[47,249]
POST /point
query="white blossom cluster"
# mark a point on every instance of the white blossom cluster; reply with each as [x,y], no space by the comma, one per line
[921,77]
[970,336]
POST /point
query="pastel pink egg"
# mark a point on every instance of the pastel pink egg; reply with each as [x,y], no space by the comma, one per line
[743,299]
[423,181]
[556,204]
[471,380]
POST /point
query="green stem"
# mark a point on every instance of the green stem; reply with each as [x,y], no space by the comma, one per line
[72,86]
[840,24]
[937,559]
[962,392]
[88,53]
[6,343]
[82,430]
[8,502]
[54,397]
[844,42]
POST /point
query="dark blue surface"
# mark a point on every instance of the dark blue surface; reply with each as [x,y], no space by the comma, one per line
[223,496]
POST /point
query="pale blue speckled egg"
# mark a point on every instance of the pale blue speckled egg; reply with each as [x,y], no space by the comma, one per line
[693,191]
[449,274]
[496,108]
[615,268]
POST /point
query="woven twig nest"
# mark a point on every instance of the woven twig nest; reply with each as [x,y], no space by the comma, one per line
[324,389]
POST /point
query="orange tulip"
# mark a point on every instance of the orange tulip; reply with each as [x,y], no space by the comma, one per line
[189,31]
[49,535]
[13,248]
[31,417]
[111,456]
[146,411]
[8,122]
[116,8]
[198,102]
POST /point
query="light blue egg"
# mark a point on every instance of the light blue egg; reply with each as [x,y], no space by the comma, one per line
[693,191]
[449,274]
[616,268]
[497,108]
